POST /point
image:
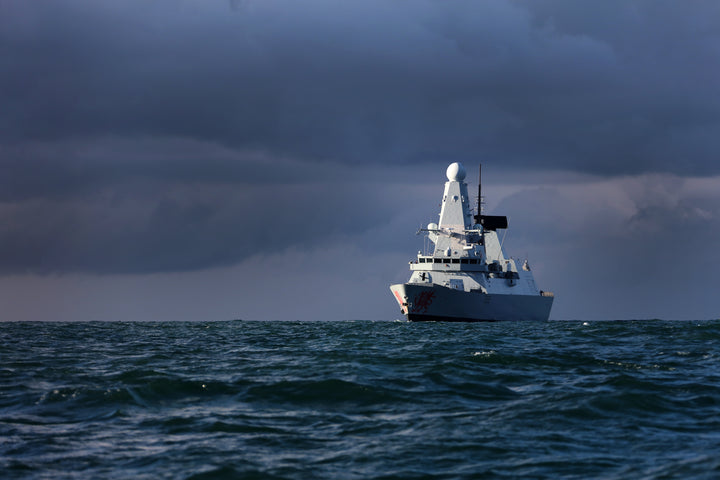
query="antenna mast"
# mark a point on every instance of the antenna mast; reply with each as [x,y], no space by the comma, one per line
[488,222]
[479,209]
[479,218]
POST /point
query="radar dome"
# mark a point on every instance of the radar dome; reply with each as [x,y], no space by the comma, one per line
[455,172]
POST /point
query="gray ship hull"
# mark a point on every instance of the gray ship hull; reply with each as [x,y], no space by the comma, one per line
[432,302]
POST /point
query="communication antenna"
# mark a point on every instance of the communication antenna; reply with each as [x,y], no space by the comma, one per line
[479,209]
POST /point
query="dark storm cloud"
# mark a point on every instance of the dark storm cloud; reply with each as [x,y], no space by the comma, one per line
[132,134]
[183,227]
[78,167]
[609,87]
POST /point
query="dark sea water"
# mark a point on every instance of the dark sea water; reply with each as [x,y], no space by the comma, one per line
[360,400]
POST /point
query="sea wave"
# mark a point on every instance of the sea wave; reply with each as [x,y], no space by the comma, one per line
[359,400]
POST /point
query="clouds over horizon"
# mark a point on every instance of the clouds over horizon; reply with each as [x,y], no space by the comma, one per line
[181,135]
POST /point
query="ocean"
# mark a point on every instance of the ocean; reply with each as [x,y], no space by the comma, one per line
[360,400]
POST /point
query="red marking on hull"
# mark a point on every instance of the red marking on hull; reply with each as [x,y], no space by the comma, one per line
[422,301]
[400,301]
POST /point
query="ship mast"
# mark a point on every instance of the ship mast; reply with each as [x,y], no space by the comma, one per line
[489,222]
[478,218]
[479,209]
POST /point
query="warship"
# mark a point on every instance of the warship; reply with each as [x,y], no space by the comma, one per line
[468,277]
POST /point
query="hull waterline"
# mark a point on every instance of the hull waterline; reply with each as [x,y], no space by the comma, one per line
[433,303]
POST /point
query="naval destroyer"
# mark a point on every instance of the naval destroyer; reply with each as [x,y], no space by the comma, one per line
[468,277]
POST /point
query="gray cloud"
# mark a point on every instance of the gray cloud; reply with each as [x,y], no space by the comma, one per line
[527,83]
[191,226]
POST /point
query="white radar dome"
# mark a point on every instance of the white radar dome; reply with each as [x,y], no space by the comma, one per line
[432,226]
[455,172]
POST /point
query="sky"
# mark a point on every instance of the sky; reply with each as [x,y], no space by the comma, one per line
[273,159]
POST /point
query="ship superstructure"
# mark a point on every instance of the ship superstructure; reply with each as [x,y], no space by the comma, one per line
[468,276]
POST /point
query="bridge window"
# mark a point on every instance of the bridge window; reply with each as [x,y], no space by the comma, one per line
[463,260]
[455,260]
